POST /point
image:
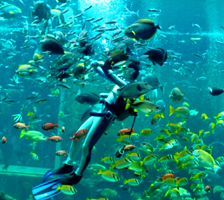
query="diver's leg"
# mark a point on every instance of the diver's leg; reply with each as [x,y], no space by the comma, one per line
[74,150]
[76,145]
[99,127]
[90,141]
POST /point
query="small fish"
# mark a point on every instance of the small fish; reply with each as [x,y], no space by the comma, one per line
[61,153]
[122,163]
[132,182]
[34,156]
[125,131]
[180,111]
[79,134]
[63,129]
[67,189]
[108,160]
[144,106]
[146,132]
[87,8]
[49,126]
[40,101]
[98,19]
[19,125]
[176,95]
[4,139]
[109,175]
[55,138]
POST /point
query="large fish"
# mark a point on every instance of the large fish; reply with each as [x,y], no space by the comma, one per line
[143,29]
[134,90]
[205,160]
[158,56]
[33,135]
[152,80]
[9,11]
[87,97]
[51,45]
[41,10]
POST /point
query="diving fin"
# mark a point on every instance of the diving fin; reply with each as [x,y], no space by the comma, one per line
[47,175]
[66,169]
[46,190]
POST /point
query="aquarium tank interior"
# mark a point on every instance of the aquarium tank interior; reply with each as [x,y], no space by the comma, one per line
[111,100]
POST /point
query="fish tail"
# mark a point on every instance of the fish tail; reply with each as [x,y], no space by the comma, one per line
[58,187]
[125,181]
[172,110]
[216,168]
[162,87]
[112,166]
[56,125]
[72,138]
[158,27]
[23,132]
[176,160]
[102,159]
[100,171]
[137,13]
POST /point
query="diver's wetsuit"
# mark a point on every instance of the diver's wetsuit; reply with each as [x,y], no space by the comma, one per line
[97,124]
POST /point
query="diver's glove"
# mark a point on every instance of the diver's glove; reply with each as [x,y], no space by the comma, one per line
[17,118]
[71,179]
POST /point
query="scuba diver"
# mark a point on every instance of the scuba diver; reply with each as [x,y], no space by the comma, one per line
[97,125]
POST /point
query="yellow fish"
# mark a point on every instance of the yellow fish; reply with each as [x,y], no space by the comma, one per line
[205,160]
[156,118]
[67,189]
[146,132]
[132,182]
[109,175]
[180,111]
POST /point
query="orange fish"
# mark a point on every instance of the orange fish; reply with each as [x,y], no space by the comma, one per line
[54,138]
[4,140]
[20,125]
[166,176]
[125,131]
[80,133]
[61,153]
[49,126]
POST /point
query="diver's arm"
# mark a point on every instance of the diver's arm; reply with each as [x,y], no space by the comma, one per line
[107,73]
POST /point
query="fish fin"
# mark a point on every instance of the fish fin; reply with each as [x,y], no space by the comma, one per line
[128,104]
[216,168]
[142,97]
[137,13]
[23,132]
[162,87]
[172,110]
[158,27]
